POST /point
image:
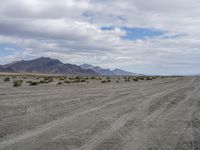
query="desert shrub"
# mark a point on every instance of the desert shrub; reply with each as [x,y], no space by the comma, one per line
[93,78]
[59,83]
[28,81]
[61,78]
[135,79]
[17,83]
[66,81]
[141,78]
[82,80]
[70,78]
[109,80]
[24,77]
[33,83]
[77,78]
[103,81]
[117,81]
[48,79]
[7,79]
[76,81]
[45,81]
[42,81]
[148,78]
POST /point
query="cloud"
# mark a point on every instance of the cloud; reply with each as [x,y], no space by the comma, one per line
[71,30]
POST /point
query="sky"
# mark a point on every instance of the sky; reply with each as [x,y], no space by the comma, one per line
[151,37]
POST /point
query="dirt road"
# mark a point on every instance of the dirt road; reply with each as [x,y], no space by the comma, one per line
[163,114]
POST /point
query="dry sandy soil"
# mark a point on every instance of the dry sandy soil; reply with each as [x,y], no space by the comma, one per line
[163,114]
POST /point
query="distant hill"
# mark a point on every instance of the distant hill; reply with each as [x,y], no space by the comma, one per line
[4,69]
[99,70]
[45,65]
[108,72]
[53,66]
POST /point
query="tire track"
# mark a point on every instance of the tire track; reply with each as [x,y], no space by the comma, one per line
[190,130]
[46,127]
[95,103]
[119,124]
[169,126]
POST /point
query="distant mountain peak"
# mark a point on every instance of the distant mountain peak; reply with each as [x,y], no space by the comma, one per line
[86,66]
[99,70]
[46,65]
[47,59]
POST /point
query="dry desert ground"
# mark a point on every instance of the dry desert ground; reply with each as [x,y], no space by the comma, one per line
[159,114]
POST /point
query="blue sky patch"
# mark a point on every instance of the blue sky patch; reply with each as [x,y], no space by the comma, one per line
[8,49]
[136,33]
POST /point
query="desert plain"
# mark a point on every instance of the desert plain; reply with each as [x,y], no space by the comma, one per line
[158,114]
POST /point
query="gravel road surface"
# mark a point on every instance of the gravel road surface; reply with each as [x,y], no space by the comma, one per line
[163,114]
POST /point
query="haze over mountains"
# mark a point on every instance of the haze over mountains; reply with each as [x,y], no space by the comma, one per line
[54,66]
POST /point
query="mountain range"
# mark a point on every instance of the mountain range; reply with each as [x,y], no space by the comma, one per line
[108,72]
[54,66]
